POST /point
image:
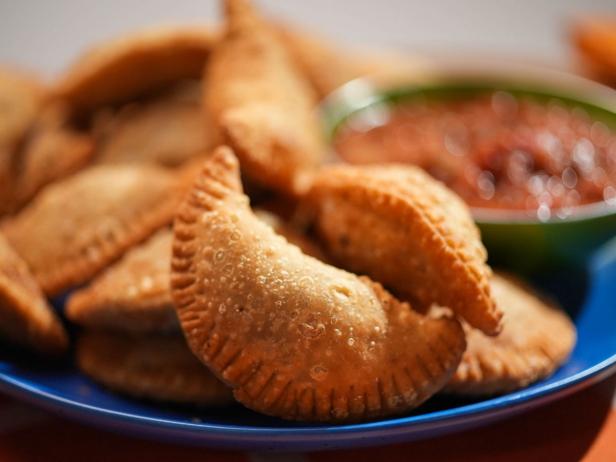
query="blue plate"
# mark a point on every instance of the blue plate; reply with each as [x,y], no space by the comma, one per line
[588,296]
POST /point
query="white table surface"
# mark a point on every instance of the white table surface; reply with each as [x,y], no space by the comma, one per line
[45,35]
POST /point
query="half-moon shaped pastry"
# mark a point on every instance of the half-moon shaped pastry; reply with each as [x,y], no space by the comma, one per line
[26,318]
[328,66]
[133,294]
[294,337]
[260,104]
[595,39]
[76,227]
[537,338]
[409,232]
[167,130]
[155,367]
[20,99]
[54,150]
[131,66]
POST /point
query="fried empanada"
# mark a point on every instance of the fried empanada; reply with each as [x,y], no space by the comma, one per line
[260,104]
[537,338]
[409,232]
[26,318]
[168,130]
[129,67]
[155,367]
[76,227]
[20,99]
[133,294]
[295,337]
[328,66]
[595,39]
[54,150]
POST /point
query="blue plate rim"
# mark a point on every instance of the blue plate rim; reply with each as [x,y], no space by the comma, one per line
[539,393]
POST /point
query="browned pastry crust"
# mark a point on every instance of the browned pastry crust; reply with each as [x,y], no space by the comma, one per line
[54,150]
[295,337]
[595,39]
[76,227]
[20,98]
[409,232]
[167,130]
[133,294]
[26,318]
[155,367]
[260,104]
[537,338]
[328,66]
[128,67]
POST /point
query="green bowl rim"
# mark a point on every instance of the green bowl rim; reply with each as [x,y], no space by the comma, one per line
[339,106]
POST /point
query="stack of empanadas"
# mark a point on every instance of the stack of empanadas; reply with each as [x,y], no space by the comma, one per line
[123,186]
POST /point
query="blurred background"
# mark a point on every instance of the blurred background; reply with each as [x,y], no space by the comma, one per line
[47,35]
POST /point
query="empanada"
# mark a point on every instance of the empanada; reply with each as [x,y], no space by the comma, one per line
[293,336]
[409,232]
[328,66]
[260,104]
[76,227]
[595,38]
[26,318]
[537,338]
[133,294]
[135,65]
[154,367]
[21,97]
[166,130]
[53,151]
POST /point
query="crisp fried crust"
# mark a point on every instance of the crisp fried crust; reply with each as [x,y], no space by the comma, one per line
[407,231]
[328,66]
[537,338]
[26,318]
[295,337]
[595,39]
[128,67]
[54,151]
[20,98]
[260,104]
[168,130]
[133,294]
[156,367]
[76,227]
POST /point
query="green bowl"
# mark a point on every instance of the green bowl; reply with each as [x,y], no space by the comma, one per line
[514,239]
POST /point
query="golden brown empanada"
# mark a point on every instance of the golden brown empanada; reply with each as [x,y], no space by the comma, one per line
[154,367]
[295,337]
[21,97]
[135,65]
[133,294]
[260,104]
[26,318]
[409,232]
[537,338]
[166,130]
[76,227]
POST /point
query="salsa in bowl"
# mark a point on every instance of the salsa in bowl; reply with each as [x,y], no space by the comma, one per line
[534,159]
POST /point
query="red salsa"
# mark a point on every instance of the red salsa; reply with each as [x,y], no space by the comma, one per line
[495,150]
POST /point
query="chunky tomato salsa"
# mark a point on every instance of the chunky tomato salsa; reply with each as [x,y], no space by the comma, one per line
[495,150]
